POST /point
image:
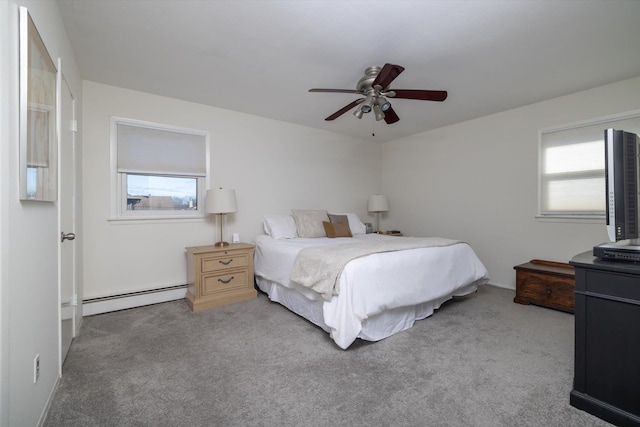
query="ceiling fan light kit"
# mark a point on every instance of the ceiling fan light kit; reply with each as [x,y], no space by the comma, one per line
[383,103]
[374,86]
[377,110]
[367,104]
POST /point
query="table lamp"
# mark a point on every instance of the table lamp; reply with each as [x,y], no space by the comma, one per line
[221,202]
[378,203]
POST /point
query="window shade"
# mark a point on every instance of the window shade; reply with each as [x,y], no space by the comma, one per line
[572,180]
[159,151]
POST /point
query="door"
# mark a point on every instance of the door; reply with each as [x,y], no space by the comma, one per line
[67,193]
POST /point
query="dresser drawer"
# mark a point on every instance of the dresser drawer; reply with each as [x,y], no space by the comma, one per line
[226,261]
[612,283]
[225,281]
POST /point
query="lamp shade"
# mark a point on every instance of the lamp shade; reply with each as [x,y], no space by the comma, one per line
[378,203]
[220,200]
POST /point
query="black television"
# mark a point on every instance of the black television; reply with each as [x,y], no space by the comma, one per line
[621,174]
[622,183]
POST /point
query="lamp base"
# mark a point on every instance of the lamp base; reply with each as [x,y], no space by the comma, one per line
[221,244]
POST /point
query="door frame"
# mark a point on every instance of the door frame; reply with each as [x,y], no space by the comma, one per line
[62,82]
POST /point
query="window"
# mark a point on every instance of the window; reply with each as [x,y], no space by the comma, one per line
[158,171]
[571,167]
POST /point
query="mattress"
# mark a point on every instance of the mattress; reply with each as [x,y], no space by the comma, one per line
[380,294]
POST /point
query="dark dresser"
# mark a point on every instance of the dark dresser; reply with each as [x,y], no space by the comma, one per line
[607,339]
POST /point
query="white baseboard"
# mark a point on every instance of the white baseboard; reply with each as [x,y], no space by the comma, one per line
[45,411]
[503,286]
[137,299]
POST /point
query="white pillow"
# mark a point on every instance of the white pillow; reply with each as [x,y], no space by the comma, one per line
[280,226]
[356,226]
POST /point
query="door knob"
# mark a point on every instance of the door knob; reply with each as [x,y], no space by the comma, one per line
[67,236]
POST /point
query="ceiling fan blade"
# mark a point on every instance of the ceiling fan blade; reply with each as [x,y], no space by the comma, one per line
[335,90]
[423,95]
[390,116]
[388,74]
[344,110]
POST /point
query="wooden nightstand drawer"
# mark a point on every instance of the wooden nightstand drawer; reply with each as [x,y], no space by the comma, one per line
[233,259]
[546,283]
[227,281]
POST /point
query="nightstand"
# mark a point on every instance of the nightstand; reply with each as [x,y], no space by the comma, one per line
[219,275]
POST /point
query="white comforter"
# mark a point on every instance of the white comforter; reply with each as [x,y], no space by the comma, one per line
[377,282]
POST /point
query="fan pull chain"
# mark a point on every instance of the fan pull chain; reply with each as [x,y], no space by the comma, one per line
[373,123]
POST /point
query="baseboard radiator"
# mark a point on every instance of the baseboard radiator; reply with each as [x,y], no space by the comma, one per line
[106,304]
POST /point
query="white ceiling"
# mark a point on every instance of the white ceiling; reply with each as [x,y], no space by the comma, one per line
[261,57]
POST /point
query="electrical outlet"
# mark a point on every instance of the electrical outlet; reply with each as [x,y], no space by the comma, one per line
[36,368]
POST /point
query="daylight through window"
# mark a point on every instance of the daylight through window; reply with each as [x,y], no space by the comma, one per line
[153,193]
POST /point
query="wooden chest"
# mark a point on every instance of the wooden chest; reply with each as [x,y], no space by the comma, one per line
[546,283]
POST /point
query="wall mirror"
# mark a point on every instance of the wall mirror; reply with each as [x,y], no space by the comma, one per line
[38,116]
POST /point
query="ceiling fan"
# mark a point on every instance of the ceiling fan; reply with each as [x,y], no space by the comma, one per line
[374,86]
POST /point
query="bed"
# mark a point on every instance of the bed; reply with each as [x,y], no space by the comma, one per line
[375,294]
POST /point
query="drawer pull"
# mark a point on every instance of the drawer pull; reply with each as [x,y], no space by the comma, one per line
[225,281]
[226,262]
[548,291]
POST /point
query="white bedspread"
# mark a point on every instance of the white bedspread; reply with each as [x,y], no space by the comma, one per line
[319,267]
[377,282]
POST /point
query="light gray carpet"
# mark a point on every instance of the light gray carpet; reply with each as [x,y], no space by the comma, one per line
[478,361]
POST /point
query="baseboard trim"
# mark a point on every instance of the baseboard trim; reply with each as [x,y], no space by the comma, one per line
[45,411]
[100,305]
[503,286]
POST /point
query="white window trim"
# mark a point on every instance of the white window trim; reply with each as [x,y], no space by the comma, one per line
[607,121]
[117,212]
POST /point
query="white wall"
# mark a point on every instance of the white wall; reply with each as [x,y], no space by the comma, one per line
[273,166]
[5,178]
[477,181]
[28,237]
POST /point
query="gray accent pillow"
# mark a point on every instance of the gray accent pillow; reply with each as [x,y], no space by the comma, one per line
[356,226]
[338,218]
[309,222]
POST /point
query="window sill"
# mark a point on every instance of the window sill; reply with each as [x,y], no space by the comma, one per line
[577,219]
[156,220]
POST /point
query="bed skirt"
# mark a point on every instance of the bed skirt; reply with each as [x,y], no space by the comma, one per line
[374,328]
